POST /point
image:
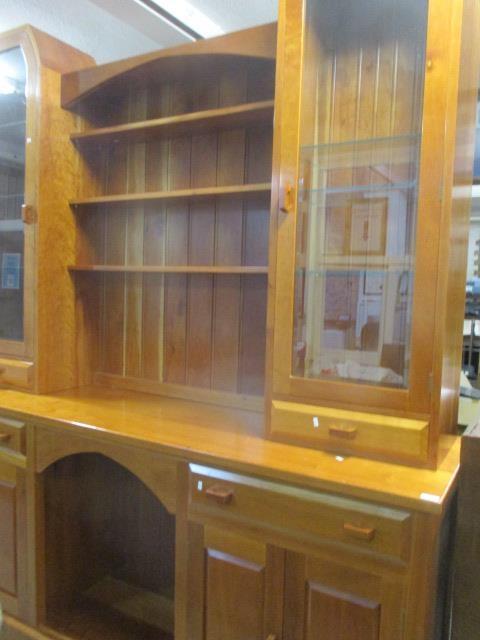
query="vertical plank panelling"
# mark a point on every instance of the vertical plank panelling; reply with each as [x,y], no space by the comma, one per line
[156,179]
[177,250]
[198,330]
[114,295]
[228,246]
[255,252]
[261,82]
[201,245]
[134,242]
[115,235]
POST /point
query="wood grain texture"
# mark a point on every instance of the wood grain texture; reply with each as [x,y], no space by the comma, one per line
[340,615]
[235,593]
[174,306]
[198,193]
[383,86]
[259,42]
[454,244]
[44,274]
[8,535]
[232,439]
[347,602]
[203,121]
[93,563]
[466,584]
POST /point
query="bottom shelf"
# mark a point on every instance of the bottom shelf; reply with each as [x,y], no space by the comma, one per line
[115,610]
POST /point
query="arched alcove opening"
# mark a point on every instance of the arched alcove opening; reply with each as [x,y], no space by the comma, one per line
[109,553]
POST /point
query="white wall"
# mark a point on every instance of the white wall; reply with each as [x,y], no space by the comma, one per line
[79,23]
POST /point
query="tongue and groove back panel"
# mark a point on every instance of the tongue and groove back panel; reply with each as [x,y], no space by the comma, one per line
[199,330]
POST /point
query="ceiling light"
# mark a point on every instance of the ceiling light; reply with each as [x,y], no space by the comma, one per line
[191,17]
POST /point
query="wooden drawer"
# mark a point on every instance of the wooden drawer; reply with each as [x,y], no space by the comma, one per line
[12,442]
[349,431]
[311,515]
[16,373]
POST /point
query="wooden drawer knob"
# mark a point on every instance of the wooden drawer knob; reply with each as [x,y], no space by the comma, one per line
[359,533]
[222,495]
[5,437]
[346,433]
[272,636]
[287,199]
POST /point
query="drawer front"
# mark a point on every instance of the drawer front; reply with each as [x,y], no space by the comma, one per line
[12,434]
[349,431]
[16,373]
[12,442]
[303,513]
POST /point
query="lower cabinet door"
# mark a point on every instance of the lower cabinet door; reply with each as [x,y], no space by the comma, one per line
[325,599]
[243,588]
[8,538]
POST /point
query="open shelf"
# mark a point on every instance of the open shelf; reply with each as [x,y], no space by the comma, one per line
[106,268]
[240,191]
[110,553]
[255,113]
[86,619]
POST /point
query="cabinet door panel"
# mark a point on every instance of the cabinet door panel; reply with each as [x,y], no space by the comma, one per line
[235,598]
[243,587]
[8,550]
[340,616]
[326,600]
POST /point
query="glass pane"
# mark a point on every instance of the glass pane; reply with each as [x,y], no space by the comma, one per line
[12,178]
[357,193]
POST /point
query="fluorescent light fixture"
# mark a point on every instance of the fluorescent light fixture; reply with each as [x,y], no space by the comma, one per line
[191,17]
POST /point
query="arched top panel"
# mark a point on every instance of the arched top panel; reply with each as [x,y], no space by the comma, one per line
[44,50]
[157,472]
[256,44]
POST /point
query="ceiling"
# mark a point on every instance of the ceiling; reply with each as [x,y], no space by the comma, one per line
[114,29]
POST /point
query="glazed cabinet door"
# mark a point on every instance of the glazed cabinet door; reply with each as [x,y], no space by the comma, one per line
[326,600]
[17,190]
[243,587]
[360,100]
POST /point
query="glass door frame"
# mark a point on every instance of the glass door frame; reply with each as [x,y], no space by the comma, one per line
[11,40]
[416,400]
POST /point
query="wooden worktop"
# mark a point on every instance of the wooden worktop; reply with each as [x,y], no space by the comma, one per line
[232,438]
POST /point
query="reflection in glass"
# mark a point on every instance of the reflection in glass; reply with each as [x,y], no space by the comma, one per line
[12,179]
[357,192]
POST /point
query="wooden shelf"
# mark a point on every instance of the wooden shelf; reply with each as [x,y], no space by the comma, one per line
[240,191]
[86,619]
[363,263]
[200,121]
[215,269]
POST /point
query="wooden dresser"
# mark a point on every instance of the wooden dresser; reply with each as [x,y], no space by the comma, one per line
[244,319]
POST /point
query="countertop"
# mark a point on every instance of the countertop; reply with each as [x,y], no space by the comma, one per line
[233,439]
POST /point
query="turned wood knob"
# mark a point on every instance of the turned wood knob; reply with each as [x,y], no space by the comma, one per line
[5,437]
[222,495]
[286,204]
